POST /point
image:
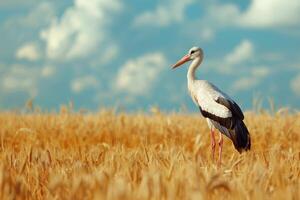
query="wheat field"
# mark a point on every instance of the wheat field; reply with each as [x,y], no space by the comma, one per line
[105,155]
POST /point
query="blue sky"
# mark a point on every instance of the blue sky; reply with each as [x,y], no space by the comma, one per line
[113,53]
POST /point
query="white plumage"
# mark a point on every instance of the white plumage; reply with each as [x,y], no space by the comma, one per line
[218,108]
[206,95]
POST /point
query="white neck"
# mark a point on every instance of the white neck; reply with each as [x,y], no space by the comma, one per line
[192,69]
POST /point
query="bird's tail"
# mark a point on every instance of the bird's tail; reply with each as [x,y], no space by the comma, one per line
[240,136]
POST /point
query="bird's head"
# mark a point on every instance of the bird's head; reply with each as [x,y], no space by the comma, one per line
[194,52]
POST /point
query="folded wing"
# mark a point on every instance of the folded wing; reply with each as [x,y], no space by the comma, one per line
[216,105]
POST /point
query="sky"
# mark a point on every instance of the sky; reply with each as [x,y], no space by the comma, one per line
[118,54]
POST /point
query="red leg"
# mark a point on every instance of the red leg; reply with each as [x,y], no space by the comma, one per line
[213,143]
[220,149]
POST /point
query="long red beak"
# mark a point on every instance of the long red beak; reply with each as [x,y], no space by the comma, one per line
[183,60]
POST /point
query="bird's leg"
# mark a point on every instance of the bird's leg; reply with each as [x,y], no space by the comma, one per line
[220,142]
[213,143]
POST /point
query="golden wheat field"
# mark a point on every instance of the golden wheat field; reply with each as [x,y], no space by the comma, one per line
[144,156]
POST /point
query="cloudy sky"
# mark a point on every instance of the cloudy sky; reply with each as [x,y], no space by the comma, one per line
[114,53]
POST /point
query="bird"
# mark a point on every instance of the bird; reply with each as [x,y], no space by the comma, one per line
[221,112]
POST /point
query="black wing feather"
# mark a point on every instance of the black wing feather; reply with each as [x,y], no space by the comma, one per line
[232,106]
[228,122]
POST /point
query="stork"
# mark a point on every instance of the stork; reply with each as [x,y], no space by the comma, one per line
[220,111]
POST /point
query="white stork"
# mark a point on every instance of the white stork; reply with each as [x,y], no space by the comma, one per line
[220,111]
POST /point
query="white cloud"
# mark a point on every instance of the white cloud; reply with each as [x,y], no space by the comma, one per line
[222,14]
[80,30]
[271,13]
[13,83]
[244,83]
[207,34]
[253,78]
[240,61]
[83,83]
[164,14]
[29,52]
[261,71]
[260,14]
[40,15]
[16,3]
[241,53]
[48,71]
[272,56]
[295,85]
[137,76]
[110,54]
[20,78]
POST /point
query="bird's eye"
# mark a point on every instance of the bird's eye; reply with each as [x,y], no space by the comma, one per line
[192,52]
